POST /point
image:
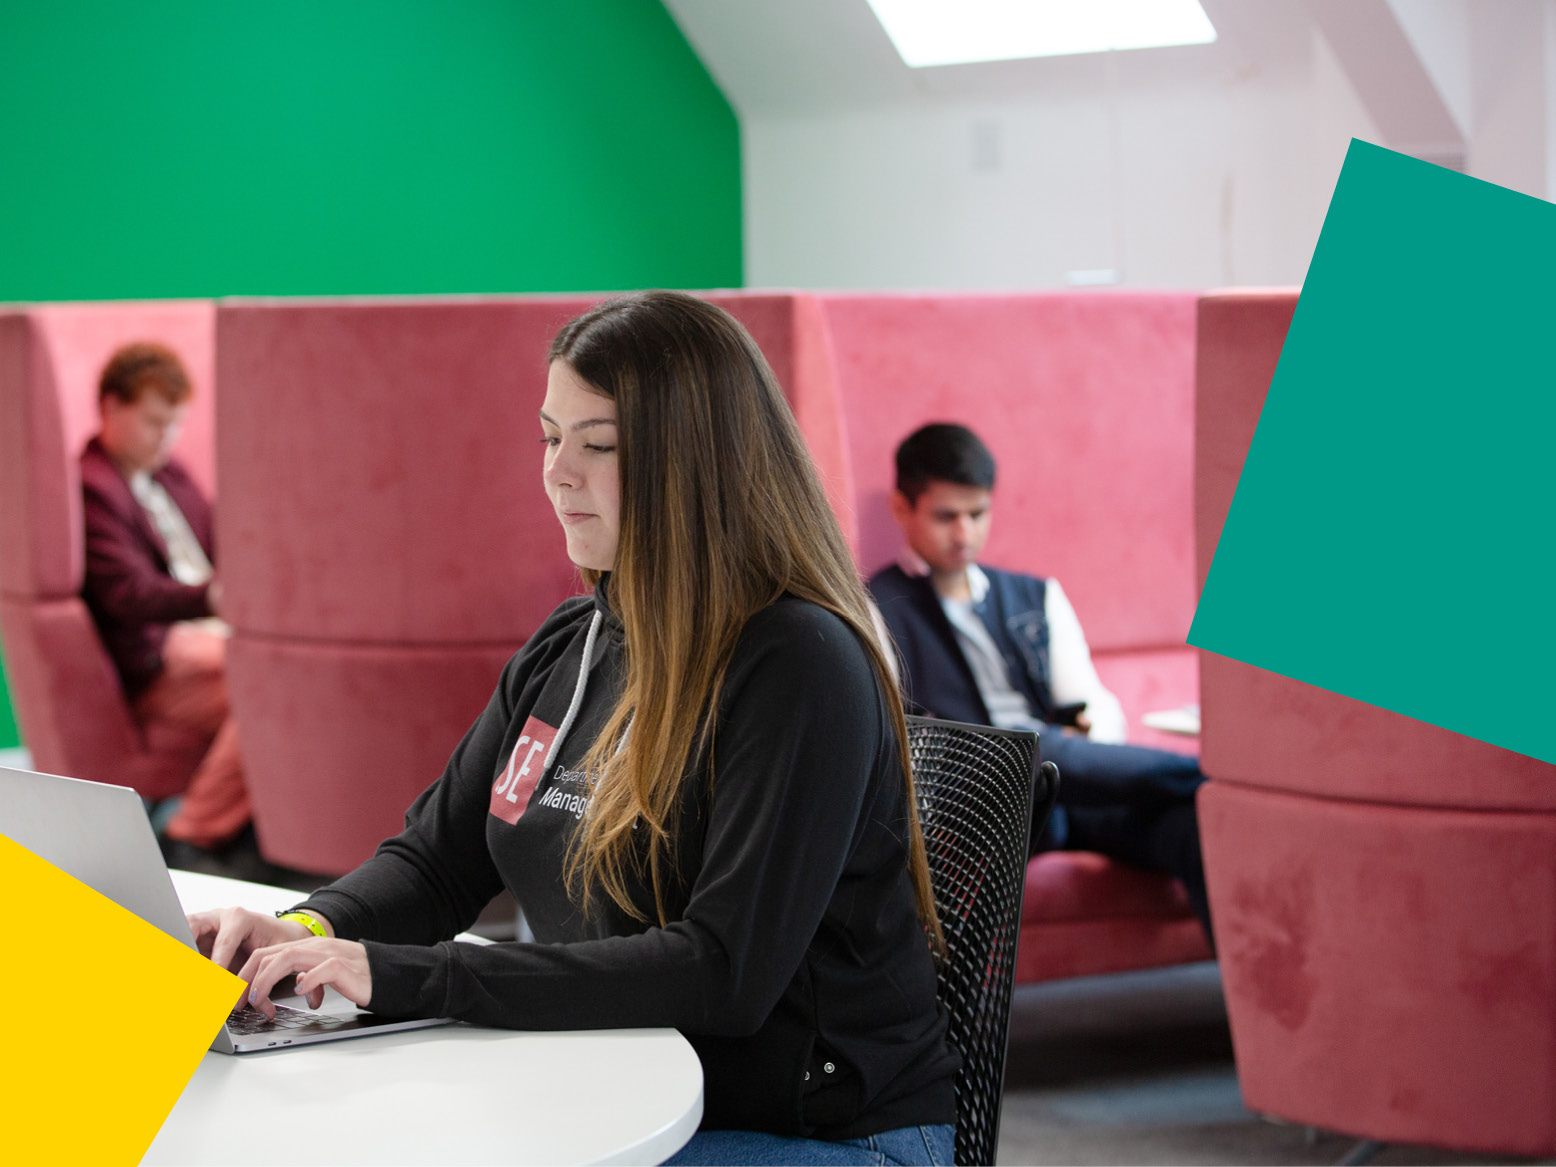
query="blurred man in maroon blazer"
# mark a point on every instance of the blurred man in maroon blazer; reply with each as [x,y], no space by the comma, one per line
[150,583]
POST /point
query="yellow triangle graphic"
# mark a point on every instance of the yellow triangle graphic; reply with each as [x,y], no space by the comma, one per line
[73,960]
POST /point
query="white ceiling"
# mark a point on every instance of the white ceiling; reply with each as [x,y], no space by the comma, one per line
[1408,60]
[779,57]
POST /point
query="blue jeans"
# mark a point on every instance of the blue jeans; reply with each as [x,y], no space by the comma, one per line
[1130,803]
[921,1146]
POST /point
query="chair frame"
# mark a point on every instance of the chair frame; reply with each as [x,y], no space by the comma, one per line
[978,973]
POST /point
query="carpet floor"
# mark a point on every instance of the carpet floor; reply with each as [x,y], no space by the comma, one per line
[1137,1068]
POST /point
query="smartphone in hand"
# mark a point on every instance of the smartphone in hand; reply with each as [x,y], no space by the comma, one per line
[1067,714]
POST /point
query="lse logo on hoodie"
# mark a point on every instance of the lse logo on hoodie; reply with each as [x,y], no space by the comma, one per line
[511,791]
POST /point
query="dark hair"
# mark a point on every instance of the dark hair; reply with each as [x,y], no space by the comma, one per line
[942,452]
[722,512]
[144,365]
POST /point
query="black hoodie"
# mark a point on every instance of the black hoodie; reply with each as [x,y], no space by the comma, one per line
[793,960]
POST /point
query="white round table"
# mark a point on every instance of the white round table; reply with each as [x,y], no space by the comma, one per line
[455,1094]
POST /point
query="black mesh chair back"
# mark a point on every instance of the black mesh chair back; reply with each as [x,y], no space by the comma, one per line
[976,802]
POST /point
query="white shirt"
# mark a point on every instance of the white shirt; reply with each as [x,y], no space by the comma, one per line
[186,559]
[1008,707]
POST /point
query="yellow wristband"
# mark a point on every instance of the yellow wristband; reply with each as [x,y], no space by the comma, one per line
[305,920]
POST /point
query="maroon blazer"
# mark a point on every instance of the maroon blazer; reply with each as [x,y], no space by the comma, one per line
[128,590]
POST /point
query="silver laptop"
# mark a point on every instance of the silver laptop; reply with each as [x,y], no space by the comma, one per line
[100,835]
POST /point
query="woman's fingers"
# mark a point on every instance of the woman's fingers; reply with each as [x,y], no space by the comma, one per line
[344,967]
[317,962]
[232,931]
[203,930]
[229,935]
[268,966]
[253,971]
[265,951]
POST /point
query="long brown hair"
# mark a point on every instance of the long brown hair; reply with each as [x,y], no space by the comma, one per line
[722,512]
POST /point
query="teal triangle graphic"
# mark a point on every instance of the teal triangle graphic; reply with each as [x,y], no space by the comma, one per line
[1392,534]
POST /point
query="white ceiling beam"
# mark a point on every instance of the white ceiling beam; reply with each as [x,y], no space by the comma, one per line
[1440,32]
[1388,74]
[780,58]
[1550,101]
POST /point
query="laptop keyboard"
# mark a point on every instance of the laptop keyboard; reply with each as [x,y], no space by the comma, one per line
[248,1020]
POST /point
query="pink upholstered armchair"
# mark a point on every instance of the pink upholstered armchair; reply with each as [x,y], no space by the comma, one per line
[73,715]
[386,547]
[1384,891]
[1086,400]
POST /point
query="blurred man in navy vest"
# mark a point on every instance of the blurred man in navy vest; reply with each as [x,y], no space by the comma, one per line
[992,647]
[150,587]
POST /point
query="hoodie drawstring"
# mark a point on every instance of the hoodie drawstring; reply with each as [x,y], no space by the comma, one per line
[578,690]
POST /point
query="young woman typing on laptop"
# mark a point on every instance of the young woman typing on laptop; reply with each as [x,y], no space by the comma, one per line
[694,781]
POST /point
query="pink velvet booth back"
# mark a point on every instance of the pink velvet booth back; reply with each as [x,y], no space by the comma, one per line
[1384,891]
[387,542]
[1087,402]
[72,712]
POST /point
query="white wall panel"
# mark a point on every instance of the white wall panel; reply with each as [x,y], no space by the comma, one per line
[1190,167]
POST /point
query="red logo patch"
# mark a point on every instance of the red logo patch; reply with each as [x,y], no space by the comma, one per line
[511,791]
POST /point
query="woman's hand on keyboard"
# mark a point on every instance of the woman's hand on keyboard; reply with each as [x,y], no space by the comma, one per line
[316,962]
[229,936]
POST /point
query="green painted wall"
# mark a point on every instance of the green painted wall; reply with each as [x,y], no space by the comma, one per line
[8,735]
[176,148]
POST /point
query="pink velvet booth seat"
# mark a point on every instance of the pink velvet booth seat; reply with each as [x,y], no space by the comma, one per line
[387,543]
[1087,401]
[1384,891]
[72,711]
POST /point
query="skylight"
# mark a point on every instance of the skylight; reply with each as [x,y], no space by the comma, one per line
[956,32]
